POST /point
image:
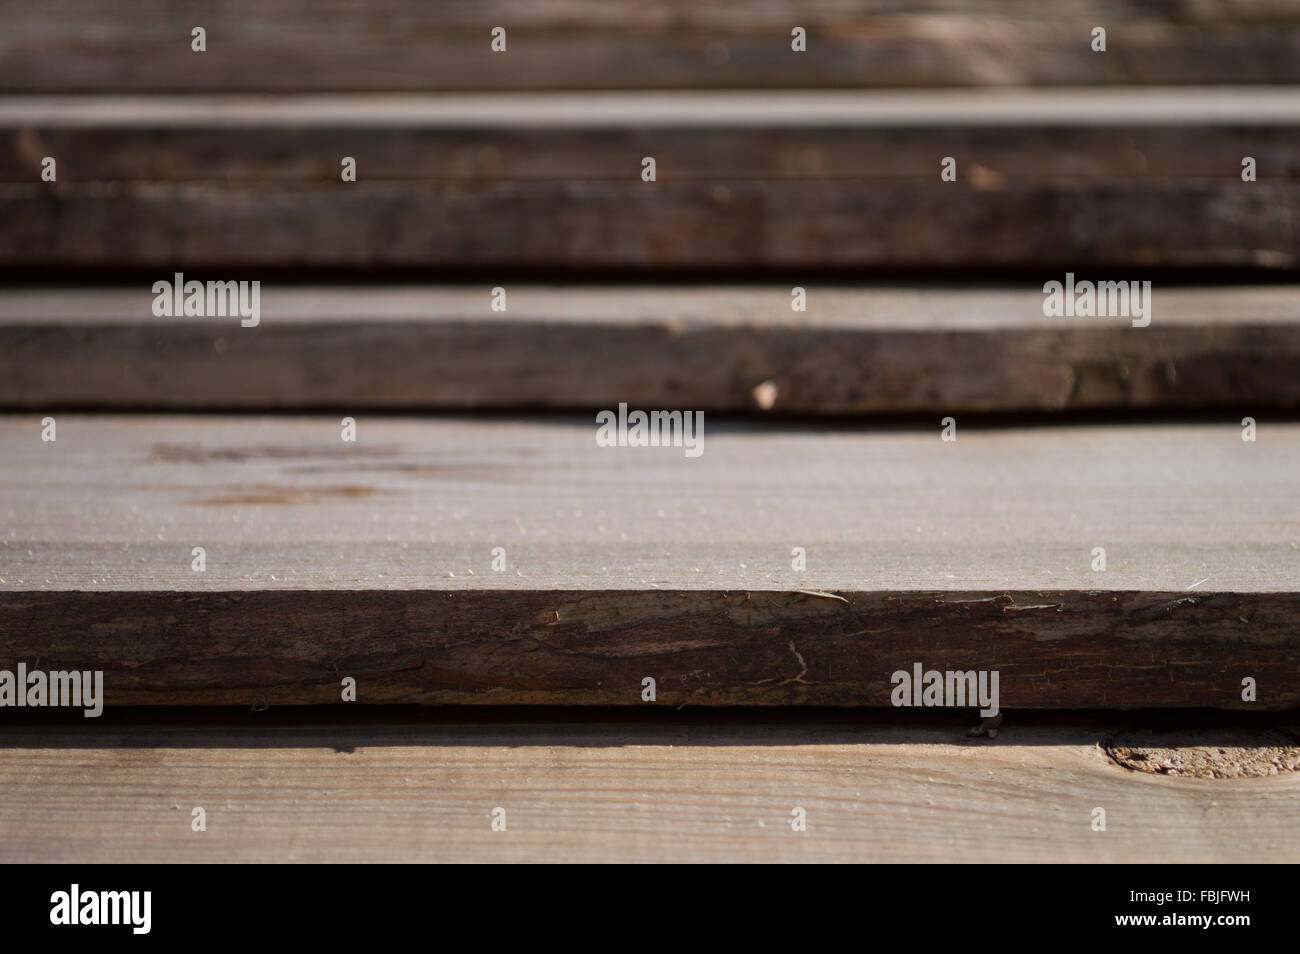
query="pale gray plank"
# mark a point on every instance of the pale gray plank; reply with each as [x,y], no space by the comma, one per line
[1138,107]
[281,502]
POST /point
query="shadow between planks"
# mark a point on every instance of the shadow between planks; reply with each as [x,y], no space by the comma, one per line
[613,787]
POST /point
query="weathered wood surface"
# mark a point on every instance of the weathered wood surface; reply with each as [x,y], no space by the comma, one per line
[813,180]
[375,560]
[116,503]
[615,790]
[855,350]
[285,45]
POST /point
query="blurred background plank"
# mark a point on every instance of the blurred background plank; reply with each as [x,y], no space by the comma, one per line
[1047,179]
[1011,137]
[339,45]
[572,228]
[736,349]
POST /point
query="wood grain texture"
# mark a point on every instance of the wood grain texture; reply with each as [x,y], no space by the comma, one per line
[374,560]
[855,350]
[546,183]
[417,503]
[144,45]
[1053,649]
[424,791]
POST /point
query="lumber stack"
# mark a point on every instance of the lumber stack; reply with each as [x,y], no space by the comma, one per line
[839,256]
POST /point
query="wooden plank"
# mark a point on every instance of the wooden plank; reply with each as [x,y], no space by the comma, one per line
[688,227]
[620,790]
[285,45]
[860,191]
[902,509]
[1051,648]
[325,559]
[1060,136]
[717,348]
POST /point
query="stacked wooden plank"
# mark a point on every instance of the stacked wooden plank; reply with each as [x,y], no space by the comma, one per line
[345,45]
[479,184]
[738,349]
[618,564]
[828,228]
[421,787]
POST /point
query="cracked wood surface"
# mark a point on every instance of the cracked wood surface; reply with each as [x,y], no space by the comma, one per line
[326,559]
[716,348]
[615,789]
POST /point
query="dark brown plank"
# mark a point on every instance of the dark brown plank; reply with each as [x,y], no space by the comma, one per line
[325,560]
[1051,649]
[752,225]
[287,45]
[716,348]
